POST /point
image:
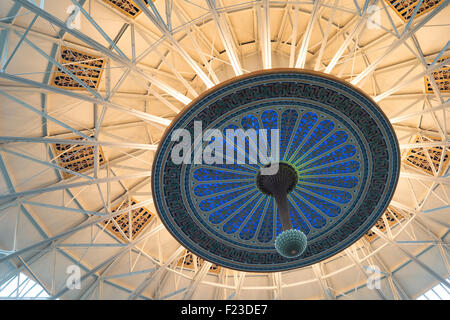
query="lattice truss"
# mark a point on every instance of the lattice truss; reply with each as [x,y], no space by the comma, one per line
[128,7]
[391,216]
[77,158]
[440,76]
[199,61]
[138,219]
[86,67]
[191,261]
[427,159]
[405,8]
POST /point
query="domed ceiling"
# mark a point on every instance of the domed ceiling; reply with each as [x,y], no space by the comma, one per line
[339,146]
[90,87]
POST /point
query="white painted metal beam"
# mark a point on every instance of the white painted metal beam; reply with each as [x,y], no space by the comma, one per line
[301,59]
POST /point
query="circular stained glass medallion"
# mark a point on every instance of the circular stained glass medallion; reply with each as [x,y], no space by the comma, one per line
[342,147]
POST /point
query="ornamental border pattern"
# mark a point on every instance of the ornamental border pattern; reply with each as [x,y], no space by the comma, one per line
[352,103]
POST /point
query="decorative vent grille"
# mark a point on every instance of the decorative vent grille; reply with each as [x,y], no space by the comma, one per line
[88,68]
[441,77]
[405,8]
[418,157]
[189,260]
[139,219]
[76,158]
[392,217]
[129,7]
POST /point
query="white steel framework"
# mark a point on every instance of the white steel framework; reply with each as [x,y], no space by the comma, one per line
[155,65]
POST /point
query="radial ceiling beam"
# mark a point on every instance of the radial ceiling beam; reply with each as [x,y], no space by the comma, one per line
[62,68]
[356,261]
[277,281]
[54,242]
[421,57]
[293,36]
[19,43]
[424,177]
[85,224]
[57,40]
[403,83]
[226,36]
[263,25]
[119,94]
[170,37]
[423,214]
[198,278]
[68,209]
[322,281]
[443,247]
[325,37]
[5,35]
[21,206]
[340,30]
[90,142]
[88,17]
[183,16]
[102,49]
[429,270]
[97,275]
[357,28]
[43,114]
[156,274]
[136,113]
[282,28]
[63,186]
[110,260]
[4,44]
[393,283]
[301,59]
[29,261]
[407,33]
[34,275]
[401,118]
[45,163]
[174,70]
[425,144]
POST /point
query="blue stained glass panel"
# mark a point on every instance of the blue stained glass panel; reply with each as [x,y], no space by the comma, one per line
[314,218]
[265,234]
[307,121]
[341,153]
[319,132]
[336,139]
[244,168]
[296,219]
[221,214]
[343,182]
[339,196]
[269,120]
[232,225]
[206,189]
[288,120]
[340,168]
[248,231]
[211,203]
[326,207]
[206,174]
[278,228]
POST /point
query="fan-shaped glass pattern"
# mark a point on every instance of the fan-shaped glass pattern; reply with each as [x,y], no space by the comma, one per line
[228,196]
[338,141]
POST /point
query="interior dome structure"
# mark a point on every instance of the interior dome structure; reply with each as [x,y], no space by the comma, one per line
[329,169]
[92,206]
